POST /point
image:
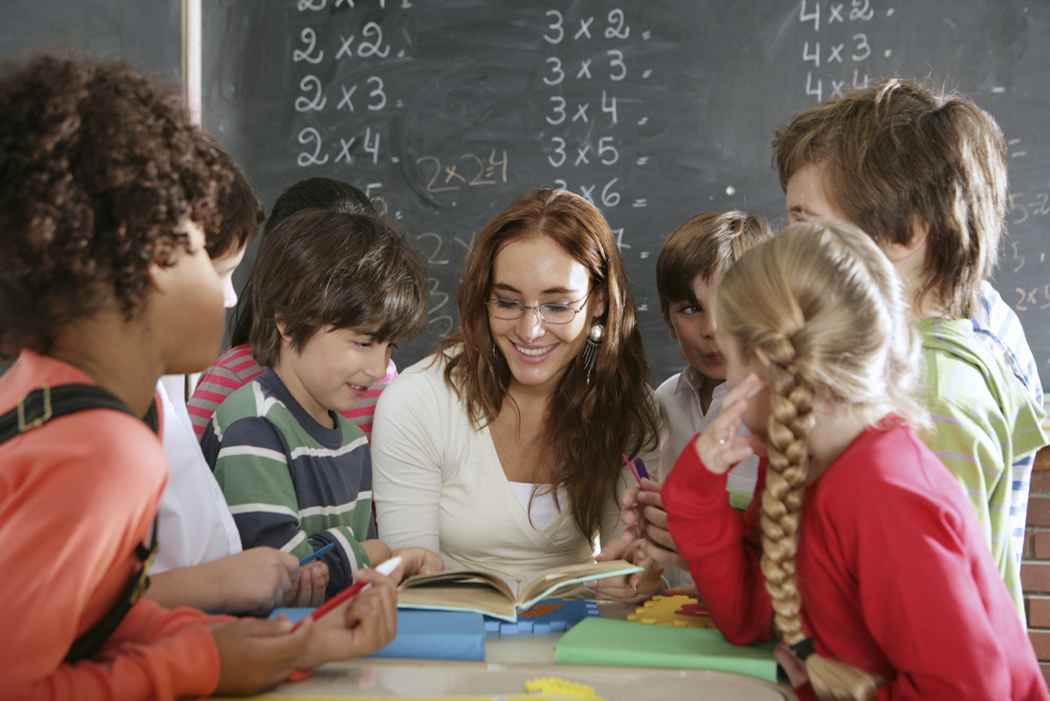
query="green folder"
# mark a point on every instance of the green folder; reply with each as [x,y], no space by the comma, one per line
[617,643]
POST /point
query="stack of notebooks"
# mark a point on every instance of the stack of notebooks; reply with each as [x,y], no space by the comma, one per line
[616,643]
[430,635]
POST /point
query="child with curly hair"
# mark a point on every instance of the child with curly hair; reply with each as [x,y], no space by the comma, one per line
[106,191]
[200,562]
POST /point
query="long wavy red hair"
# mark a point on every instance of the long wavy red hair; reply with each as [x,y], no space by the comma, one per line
[591,427]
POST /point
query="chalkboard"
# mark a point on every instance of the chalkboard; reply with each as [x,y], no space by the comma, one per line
[145,33]
[654,109]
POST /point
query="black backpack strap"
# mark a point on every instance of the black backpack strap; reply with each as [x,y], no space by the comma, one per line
[46,403]
[36,409]
[92,640]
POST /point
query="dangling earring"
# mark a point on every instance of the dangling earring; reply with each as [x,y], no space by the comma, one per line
[590,349]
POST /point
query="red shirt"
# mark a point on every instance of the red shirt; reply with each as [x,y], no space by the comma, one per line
[76,496]
[894,573]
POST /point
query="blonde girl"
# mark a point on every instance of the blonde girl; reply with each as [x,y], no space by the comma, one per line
[862,554]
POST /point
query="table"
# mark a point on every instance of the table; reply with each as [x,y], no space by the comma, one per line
[512,661]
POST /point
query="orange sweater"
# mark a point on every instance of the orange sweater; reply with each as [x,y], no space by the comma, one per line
[76,496]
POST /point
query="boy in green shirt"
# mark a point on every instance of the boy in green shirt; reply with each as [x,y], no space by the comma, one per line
[925,176]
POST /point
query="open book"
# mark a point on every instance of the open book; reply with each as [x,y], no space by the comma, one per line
[497,596]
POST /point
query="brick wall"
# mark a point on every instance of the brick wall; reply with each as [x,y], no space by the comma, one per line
[1035,569]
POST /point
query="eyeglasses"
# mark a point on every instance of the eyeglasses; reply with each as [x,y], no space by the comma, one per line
[555,314]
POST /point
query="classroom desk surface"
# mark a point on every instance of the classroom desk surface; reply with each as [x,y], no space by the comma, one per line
[475,680]
[512,661]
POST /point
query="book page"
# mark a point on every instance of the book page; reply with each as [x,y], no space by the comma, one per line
[561,577]
[459,596]
[478,577]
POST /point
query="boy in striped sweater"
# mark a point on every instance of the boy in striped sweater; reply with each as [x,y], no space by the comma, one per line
[237,366]
[333,293]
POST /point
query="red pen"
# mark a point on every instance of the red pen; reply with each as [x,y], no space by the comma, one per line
[384,568]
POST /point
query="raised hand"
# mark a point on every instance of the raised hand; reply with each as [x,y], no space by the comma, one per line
[720,445]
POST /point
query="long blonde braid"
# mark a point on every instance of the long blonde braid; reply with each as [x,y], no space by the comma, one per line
[821,303]
[790,421]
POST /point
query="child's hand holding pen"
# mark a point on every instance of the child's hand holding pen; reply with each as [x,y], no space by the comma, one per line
[311,580]
[311,583]
[643,513]
[646,521]
[357,621]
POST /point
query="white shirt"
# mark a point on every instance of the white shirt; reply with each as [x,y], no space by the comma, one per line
[683,418]
[540,506]
[439,484]
[195,523]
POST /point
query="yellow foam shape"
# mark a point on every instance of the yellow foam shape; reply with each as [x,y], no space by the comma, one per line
[663,611]
[563,688]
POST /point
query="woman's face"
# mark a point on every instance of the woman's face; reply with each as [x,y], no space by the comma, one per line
[533,271]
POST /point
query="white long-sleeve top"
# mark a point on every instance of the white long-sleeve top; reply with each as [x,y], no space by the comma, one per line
[683,417]
[438,484]
[194,521]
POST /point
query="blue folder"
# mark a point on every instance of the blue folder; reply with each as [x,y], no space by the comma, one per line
[431,635]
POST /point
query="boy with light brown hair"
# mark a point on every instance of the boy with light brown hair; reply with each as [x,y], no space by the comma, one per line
[924,174]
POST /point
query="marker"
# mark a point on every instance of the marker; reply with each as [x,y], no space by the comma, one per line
[384,568]
[321,551]
[638,468]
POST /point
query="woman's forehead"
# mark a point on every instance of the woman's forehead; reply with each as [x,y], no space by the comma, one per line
[538,265]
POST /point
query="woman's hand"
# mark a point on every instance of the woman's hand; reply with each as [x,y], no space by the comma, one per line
[629,588]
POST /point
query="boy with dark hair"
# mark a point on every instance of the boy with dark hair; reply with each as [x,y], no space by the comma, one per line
[332,294]
[236,367]
[105,192]
[924,174]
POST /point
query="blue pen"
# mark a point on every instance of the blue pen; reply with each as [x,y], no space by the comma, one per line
[316,554]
